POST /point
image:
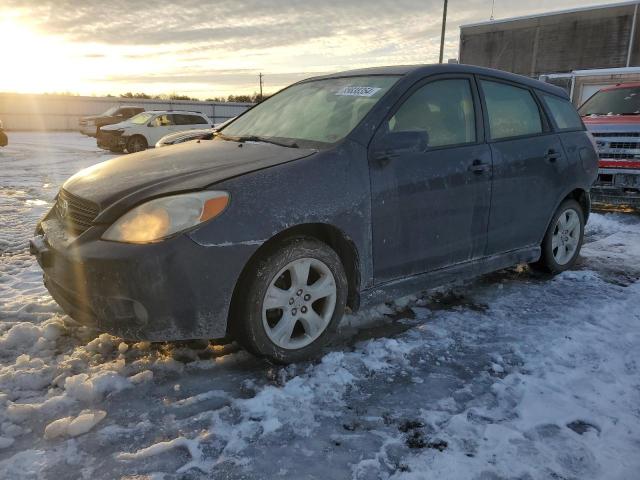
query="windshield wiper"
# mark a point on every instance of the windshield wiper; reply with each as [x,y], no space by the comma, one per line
[256,138]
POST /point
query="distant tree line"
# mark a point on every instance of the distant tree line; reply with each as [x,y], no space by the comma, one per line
[253,98]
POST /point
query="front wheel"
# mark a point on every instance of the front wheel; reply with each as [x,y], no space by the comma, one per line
[563,240]
[137,143]
[293,302]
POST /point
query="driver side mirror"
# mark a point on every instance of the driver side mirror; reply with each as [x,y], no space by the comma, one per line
[394,144]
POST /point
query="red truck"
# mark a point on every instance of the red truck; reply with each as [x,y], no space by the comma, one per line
[612,115]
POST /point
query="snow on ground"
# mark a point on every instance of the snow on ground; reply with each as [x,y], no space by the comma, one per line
[511,376]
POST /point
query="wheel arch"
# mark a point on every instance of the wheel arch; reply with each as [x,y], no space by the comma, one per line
[578,194]
[326,233]
[137,134]
[581,196]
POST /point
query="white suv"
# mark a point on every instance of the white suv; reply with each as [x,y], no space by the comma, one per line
[146,128]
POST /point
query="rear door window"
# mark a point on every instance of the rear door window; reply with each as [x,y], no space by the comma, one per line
[443,108]
[512,111]
[184,119]
[562,112]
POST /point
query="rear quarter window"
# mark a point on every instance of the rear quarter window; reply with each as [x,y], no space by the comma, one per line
[562,112]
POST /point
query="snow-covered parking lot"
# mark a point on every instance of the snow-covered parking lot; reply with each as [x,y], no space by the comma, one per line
[511,376]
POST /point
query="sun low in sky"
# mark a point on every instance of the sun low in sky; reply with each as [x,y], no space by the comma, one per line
[212,49]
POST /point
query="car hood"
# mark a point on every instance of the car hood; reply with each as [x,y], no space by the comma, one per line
[611,119]
[122,182]
[116,126]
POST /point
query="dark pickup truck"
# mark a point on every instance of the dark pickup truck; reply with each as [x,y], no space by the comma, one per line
[91,124]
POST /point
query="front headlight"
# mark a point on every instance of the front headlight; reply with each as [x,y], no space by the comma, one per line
[162,217]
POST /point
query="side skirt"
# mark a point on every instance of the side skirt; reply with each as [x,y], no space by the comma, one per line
[460,271]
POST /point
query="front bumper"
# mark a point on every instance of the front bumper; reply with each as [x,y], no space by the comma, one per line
[111,141]
[176,289]
[88,129]
[617,187]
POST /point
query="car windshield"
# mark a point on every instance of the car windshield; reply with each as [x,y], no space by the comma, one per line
[618,101]
[141,118]
[318,112]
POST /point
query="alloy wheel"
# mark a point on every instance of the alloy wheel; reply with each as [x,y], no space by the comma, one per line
[299,303]
[566,236]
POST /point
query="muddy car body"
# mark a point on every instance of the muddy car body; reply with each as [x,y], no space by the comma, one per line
[372,212]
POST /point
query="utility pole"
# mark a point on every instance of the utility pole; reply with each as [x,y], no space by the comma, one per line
[444,26]
[260,76]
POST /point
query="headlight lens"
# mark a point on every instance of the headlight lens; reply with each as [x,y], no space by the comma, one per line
[165,216]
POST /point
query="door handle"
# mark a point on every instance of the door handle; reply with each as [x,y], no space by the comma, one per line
[552,156]
[478,167]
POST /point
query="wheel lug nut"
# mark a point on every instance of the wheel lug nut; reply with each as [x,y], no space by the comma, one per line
[294,311]
[303,309]
[299,292]
[291,300]
[307,297]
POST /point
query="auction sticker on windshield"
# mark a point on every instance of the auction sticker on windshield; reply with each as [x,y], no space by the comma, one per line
[352,91]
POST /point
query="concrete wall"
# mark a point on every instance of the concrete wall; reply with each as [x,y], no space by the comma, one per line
[581,39]
[60,112]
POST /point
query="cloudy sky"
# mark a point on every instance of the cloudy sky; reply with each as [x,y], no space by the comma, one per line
[206,49]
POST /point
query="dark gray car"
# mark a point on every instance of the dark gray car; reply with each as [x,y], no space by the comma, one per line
[339,191]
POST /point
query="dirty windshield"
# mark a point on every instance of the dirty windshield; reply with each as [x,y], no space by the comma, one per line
[618,101]
[319,112]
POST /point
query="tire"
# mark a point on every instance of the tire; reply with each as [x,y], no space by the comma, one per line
[137,143]
[561,246]
[116,150]
[275,293]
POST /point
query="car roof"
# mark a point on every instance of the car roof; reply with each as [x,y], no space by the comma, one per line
[440,68]
[189,112]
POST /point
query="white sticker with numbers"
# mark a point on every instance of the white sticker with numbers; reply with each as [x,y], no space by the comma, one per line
[353,91]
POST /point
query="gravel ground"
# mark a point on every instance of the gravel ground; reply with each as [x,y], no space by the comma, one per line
[511,376]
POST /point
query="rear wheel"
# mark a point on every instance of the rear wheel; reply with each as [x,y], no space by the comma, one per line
[563,240]
[137,143]
[295,298]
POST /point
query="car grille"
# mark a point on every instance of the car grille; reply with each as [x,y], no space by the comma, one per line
[623,145]
[77,214]
[621,156]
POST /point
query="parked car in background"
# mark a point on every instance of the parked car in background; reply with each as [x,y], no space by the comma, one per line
[188,135]
[4,140]
[341,190]
[612,115]
[90,125]
[145,129]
